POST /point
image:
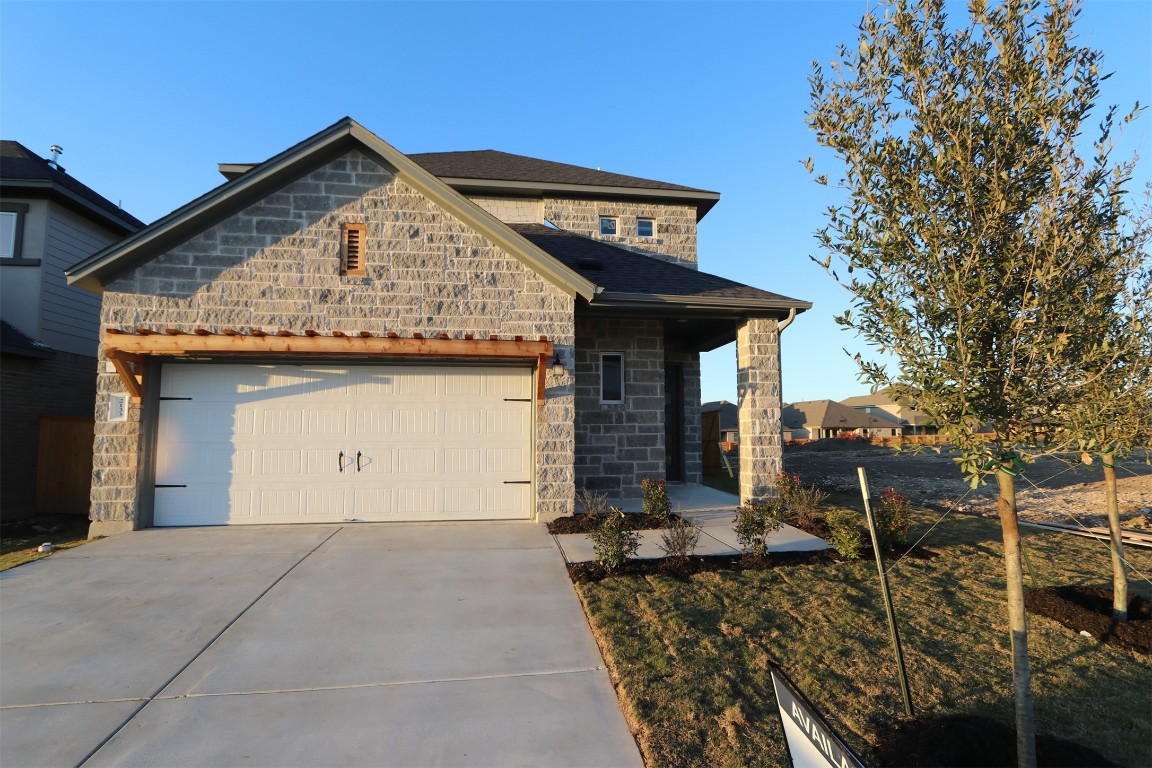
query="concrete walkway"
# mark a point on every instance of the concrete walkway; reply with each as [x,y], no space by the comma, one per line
[365,645]
[712,511]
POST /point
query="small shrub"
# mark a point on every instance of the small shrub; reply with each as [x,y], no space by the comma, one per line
[754,523]
[595,504]
[612,542]
[803,502]
[893,518]
[680,538]
[846,537]
[654,497]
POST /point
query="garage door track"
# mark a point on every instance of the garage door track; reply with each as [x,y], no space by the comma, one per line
[356,645]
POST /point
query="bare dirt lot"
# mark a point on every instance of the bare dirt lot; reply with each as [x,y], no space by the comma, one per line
[1049,490]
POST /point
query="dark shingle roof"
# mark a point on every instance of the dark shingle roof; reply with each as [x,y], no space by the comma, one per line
[13,341]
[489,164]
[19,164]
[621,271]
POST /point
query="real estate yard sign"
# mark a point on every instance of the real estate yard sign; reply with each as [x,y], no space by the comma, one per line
[811,743]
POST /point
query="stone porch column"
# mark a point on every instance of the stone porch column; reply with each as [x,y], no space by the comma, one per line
[758,393]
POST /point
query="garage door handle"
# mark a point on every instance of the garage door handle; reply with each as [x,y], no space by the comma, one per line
[340,461]
[357,461]
[517,482]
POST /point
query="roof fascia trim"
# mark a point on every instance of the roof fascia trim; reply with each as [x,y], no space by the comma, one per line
[735,305]
[704,200]
[41,186]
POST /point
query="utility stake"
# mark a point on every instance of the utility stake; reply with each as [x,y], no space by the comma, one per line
[887,595]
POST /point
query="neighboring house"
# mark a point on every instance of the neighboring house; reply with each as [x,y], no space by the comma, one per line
[720,431]
[49,332]
[913,422]
[345,332]
[727,418]
[818,419]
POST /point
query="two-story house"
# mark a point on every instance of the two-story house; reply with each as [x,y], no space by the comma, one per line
[346,332]
[48,332]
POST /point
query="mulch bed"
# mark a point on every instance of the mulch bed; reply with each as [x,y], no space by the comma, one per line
[676,567]
[960,741]
[1089,609]
[585,523]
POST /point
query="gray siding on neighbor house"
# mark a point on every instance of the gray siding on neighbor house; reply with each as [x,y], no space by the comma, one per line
[675,238]
[20,283]
[276,265]
[69,315]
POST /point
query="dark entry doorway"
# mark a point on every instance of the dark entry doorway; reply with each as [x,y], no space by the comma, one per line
[674,422]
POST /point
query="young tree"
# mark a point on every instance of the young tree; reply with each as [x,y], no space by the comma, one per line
[1112,415]
[975,234]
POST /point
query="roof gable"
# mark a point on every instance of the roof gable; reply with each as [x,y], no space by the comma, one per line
[273,174]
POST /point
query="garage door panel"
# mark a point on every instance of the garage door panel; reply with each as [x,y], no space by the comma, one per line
[506,461]
[327,422]
[374,421]
[507,502]
[505,422]
[374,504]
[261,444]
[466,461]
[280,462]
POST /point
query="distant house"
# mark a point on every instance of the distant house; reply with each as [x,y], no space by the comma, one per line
[49,332]
[913,422]
[727,421]
[819,419]
[719,431]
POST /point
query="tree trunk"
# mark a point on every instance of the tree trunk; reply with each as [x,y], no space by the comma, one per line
[1119,576]
[1017,623]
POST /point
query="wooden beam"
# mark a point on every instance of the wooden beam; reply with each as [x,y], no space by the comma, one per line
[239,344]
[123,363]
[541,375]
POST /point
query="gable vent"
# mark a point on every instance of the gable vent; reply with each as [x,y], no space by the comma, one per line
[352,250]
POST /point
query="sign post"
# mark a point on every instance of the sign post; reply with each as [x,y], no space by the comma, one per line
[811,743]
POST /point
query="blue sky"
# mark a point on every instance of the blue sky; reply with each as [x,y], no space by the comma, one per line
[147,97]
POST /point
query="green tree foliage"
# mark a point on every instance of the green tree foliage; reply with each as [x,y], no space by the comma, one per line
[978,242]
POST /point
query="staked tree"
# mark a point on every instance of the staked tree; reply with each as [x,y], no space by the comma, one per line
[1111,416]
[975,234]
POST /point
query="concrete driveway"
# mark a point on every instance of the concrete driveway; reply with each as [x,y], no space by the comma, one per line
[361,645]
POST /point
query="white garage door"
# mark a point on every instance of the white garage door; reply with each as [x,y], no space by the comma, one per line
[292,444]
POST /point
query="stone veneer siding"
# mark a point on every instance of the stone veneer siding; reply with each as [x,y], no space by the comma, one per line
[693,438]
[758,393]
[617,445]
[512,210]
[276,265]
[675,238]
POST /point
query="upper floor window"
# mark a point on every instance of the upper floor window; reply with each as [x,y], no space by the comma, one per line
[12,232]
[612,377]
[608,225]
[645,227]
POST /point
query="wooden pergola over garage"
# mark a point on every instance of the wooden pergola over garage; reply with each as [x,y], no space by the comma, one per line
[128,350]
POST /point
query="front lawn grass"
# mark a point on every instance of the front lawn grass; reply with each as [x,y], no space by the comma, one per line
[691,657]
[20,540]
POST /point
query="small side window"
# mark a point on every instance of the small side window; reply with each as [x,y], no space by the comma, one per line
[612,377]
[608,225]
[646,227]
[12,230]
[352,250]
